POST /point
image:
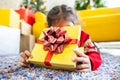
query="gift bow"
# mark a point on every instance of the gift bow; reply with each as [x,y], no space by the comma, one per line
[54,39]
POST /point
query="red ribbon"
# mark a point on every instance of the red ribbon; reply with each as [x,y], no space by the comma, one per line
[50,53]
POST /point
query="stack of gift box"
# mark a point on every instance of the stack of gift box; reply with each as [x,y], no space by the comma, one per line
[27,39]
[27,18]
[15,33]
[9,32]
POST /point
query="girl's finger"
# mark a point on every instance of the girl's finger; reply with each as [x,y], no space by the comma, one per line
[80,59]
[22,59]
[83,70]
[23,55]
[23,64]
[28,54]
[79,53]
[82,66]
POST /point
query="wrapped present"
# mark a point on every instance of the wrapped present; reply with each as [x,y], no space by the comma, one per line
[38,28]
[9,41]
[103,24]
[54,49]
[27,42]
[40,17]
[9,18]
[26,15]
[25,28]
[39,25]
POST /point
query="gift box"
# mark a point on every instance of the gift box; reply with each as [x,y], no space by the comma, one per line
[25,28]
[9,18]
[26,15]
[103,24]
[9,41]
[39,25]
[40,17]
[27,42]
[57,59]
[38,28]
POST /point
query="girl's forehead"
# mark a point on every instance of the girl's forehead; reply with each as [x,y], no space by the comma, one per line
[62,23]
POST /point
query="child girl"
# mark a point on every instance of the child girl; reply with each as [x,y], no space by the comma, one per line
[63,15]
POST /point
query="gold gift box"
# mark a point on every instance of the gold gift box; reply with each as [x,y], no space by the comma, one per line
[39,25]
[9,17]
[59,60]
[103,24]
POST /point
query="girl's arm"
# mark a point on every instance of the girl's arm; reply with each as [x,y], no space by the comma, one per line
[93,54]
[90,50]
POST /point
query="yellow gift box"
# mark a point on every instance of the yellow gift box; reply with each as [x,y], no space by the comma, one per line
[59,60]
[106,27]
[39,25]
[38,28]
[103,24]
[9,17]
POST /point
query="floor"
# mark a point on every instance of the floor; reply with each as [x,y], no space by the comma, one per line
[10,70]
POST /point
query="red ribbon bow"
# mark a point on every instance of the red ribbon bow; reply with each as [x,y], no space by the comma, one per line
[54,38]
[54,41]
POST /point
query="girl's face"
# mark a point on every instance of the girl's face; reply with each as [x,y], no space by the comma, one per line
[62,23]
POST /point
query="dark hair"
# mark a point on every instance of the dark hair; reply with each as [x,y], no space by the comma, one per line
[61,12]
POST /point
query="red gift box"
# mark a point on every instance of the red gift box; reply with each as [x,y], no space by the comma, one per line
[27,15]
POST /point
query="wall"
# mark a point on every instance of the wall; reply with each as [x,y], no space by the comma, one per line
[14,4]
[52,3]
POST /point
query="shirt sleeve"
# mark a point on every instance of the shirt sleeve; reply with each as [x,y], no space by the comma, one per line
[91,51]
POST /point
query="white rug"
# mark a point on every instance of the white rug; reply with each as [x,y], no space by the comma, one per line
[109,47]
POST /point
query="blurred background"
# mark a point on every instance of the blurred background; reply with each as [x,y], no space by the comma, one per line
[15,4]
[22,22]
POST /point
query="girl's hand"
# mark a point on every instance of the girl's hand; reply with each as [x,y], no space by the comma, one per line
[83,63]
[24,58]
